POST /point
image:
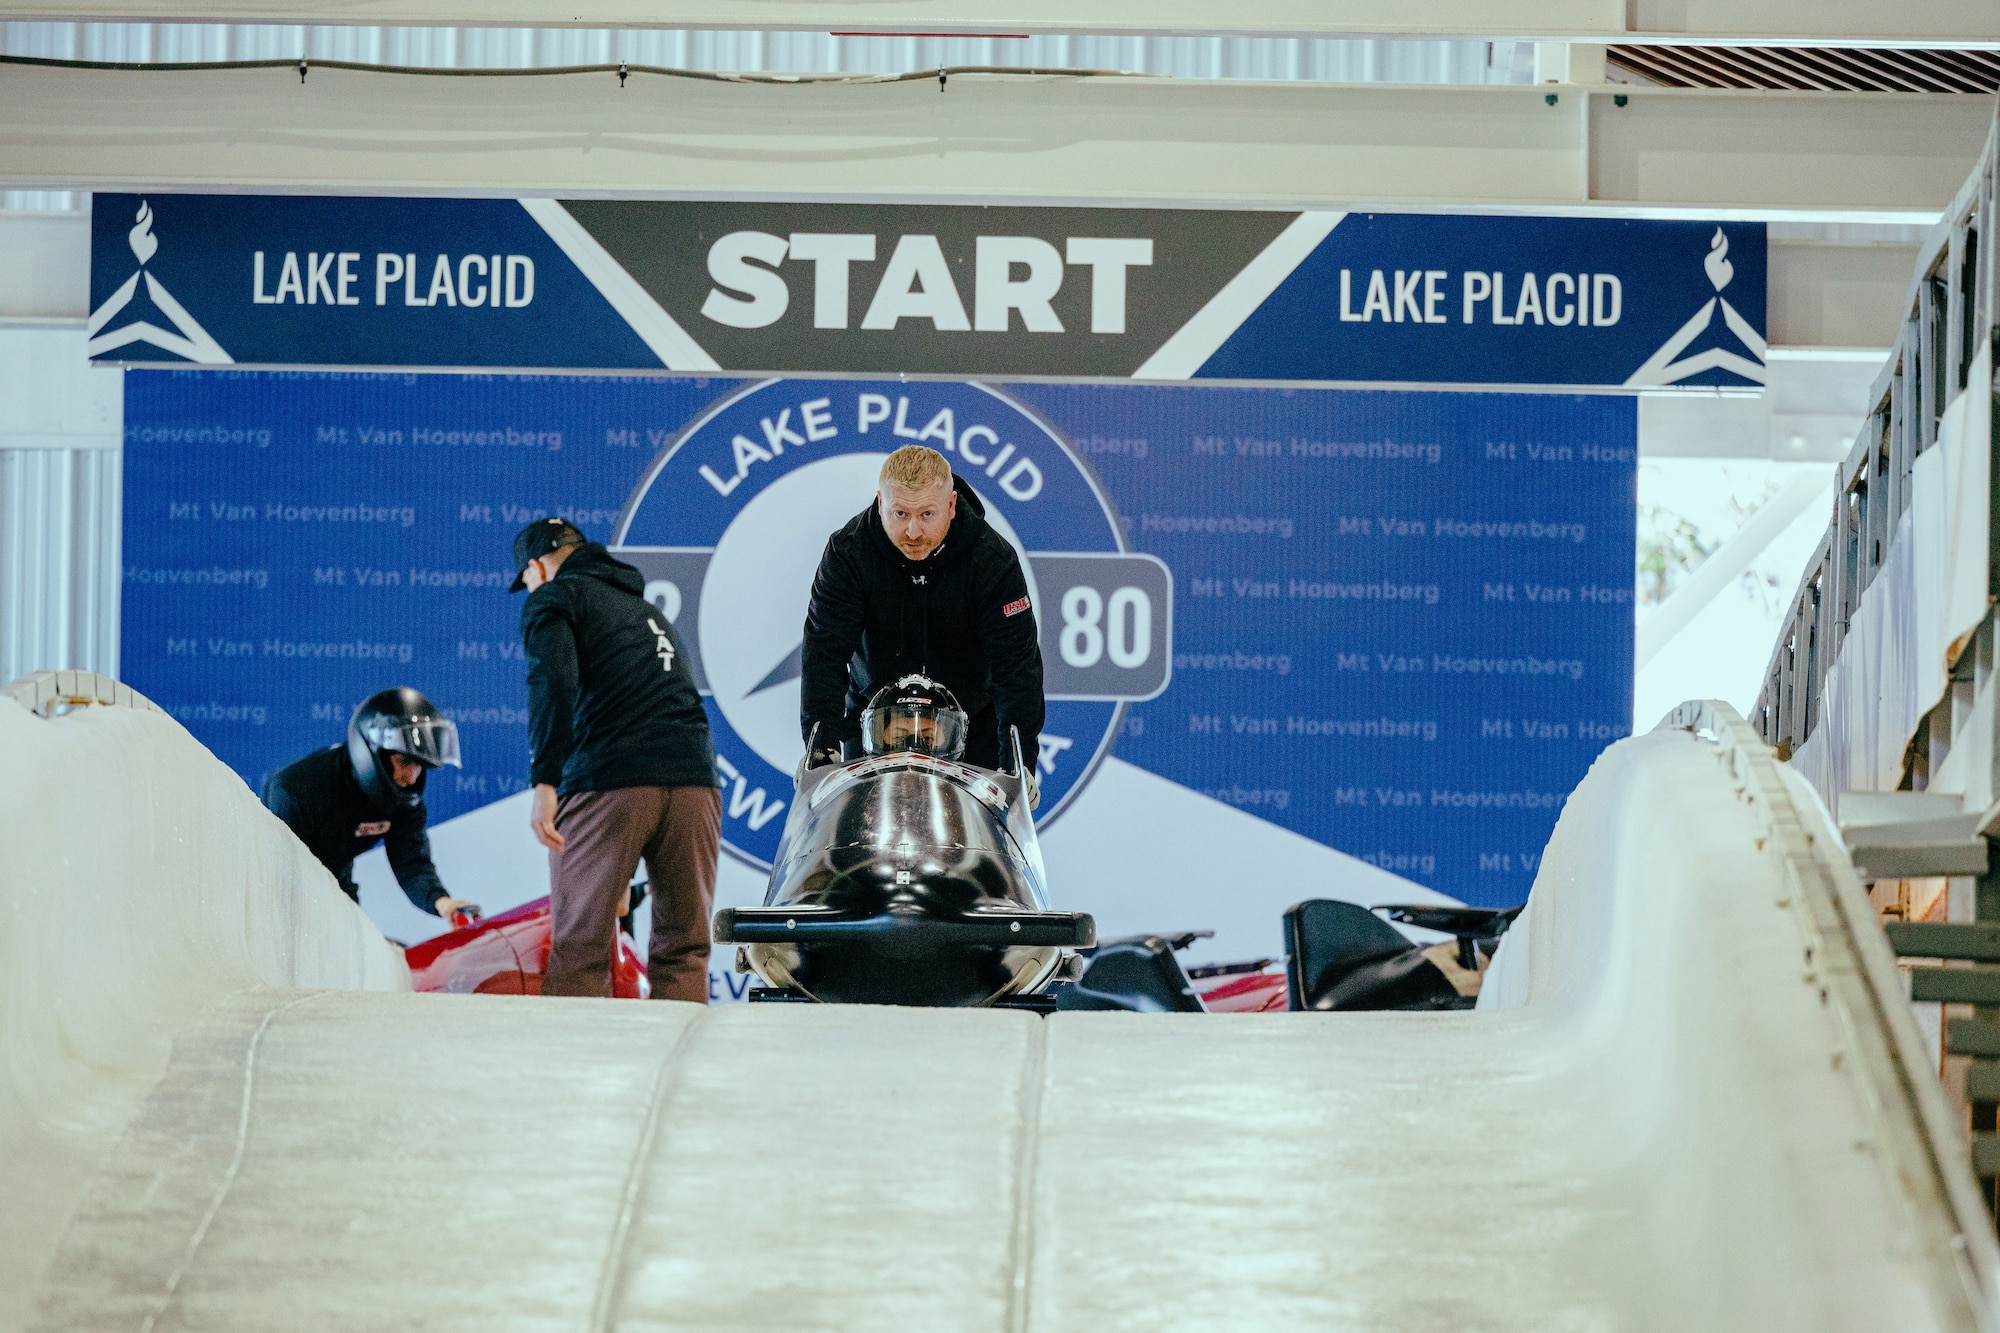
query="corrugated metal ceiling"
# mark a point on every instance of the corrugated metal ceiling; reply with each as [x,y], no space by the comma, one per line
[1818,69]
[1317,59]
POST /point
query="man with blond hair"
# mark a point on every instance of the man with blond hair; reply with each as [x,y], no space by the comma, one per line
[920,582]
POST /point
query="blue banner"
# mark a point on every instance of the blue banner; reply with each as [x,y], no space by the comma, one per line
[1397,624]
[936,291]
[1391,298]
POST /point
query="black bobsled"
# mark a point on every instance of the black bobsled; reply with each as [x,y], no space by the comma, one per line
[1342,956]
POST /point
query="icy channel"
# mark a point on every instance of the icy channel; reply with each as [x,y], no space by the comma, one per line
[1685,1107]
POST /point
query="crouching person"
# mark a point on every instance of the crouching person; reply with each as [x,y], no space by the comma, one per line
[345,799]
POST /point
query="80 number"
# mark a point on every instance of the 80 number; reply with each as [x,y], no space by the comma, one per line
[1127,624]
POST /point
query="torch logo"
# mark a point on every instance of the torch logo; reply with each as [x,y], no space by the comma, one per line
[190,341]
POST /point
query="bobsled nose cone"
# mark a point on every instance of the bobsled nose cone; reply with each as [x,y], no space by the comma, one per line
[906,878]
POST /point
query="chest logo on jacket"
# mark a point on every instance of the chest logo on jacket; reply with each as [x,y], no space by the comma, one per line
[729,522]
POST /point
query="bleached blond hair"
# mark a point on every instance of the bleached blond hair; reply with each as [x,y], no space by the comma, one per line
[914,468]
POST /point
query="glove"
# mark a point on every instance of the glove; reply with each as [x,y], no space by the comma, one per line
[1034,790]
[457,912]
[820,749]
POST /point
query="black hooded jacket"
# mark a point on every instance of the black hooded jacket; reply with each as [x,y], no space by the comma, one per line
[961,616]
[324,806]
[611,702]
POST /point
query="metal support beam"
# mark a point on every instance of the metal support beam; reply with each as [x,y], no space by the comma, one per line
[1907,835]
[1936,23]
[44,266]
[1837,295]
[1879,157]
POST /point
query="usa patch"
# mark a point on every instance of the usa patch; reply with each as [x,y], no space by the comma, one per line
[1014,608]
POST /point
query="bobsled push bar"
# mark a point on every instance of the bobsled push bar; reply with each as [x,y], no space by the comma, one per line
[810,925]
[1474,926]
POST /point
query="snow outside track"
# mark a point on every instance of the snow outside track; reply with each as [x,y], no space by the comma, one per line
[1689,1103]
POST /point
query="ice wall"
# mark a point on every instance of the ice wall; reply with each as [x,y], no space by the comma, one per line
[1687,1106]
[141,884]
[1696,962]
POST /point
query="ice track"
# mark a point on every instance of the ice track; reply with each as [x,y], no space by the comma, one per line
[140,885]
[1690,1105]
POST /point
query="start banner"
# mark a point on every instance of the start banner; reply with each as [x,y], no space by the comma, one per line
[927,291]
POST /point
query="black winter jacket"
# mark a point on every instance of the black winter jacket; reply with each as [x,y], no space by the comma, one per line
[611,702]
[322,803]
[960,616]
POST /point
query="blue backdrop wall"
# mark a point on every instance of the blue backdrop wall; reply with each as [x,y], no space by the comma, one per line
[1401,623]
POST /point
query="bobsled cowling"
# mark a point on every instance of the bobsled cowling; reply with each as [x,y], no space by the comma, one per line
[904,878]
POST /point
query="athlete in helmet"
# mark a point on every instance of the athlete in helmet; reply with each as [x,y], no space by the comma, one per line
[344,799]
[914,714]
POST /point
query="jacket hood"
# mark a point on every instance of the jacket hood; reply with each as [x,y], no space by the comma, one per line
[592,561]
[959,485]
[968,525]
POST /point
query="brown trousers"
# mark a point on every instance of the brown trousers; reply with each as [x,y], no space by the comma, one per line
[677,831]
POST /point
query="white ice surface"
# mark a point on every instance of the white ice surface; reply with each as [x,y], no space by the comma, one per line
[1139,852]
[1670,1130]
[140,885]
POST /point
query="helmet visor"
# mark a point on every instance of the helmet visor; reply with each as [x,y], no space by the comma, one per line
[914,728]
[431,741]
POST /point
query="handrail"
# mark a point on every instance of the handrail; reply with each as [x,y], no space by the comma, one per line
[1950,322]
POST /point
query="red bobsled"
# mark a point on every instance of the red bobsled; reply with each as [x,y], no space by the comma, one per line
[1241,988]
[506,955]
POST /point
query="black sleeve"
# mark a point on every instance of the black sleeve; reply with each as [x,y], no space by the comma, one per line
[1013,649]
[303,820]
[409,848]
[834,620]
[278,799]
[549,643]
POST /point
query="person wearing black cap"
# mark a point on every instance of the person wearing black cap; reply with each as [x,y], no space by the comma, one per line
[344,799]
[621,765]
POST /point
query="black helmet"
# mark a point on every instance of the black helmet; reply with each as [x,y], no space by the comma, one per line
[915,714]
[402,721]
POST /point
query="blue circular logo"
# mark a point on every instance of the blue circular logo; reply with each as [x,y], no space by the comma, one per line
[729,522]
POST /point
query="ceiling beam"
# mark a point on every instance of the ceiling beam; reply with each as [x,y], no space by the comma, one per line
[1855,156]
[1824,294]
[1932,23]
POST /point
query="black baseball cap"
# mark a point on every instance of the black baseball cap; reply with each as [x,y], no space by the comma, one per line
[538,539]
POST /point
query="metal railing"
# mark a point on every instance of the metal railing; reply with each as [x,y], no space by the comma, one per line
[1950,319]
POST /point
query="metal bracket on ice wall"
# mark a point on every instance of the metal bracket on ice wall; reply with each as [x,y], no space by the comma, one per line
[49,693]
